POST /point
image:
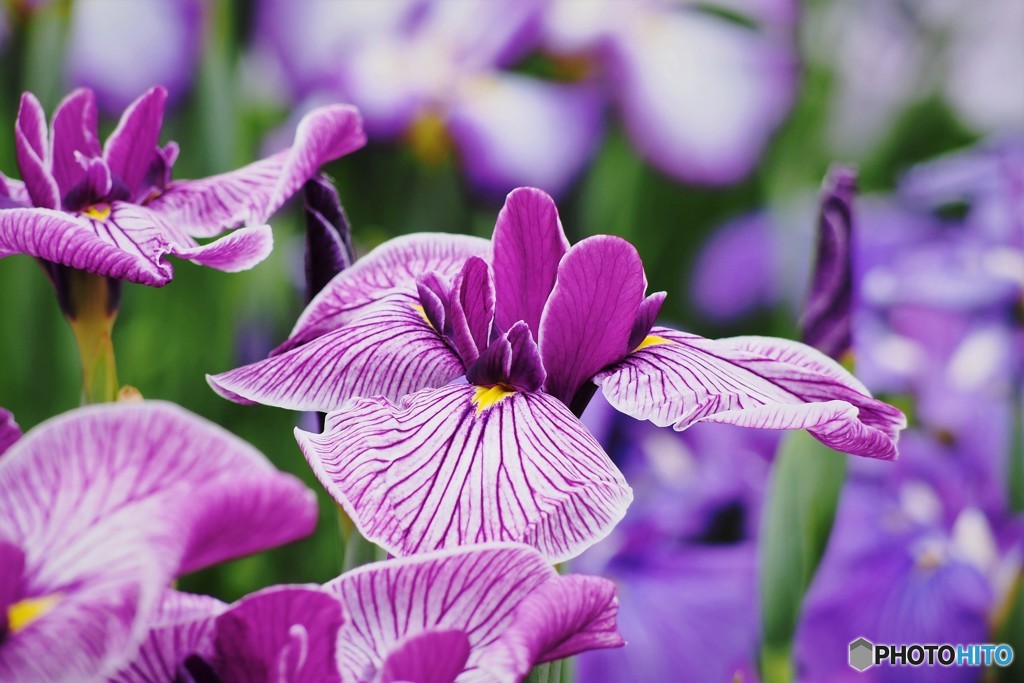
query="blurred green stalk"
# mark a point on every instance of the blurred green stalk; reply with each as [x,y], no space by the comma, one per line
[92,322]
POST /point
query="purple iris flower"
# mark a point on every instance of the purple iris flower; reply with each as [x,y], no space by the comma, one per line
[700,93]
[434,73]
[119,49]
[101,508]
[115,211]
[534,329]
[485,613]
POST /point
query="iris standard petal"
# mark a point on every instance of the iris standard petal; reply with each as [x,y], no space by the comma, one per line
[133,146]
[74,130]
[32,152]
[393,265]
[479,591]
[208,206]
[109,504]
[588,319]
[389,350]
[678,379]
[466,464]
[528,243]
[9,430]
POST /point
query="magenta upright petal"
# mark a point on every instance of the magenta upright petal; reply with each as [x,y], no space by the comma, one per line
[431,657]
[389,350]
[466,464]
[589,317]
[32,152]
[470,311]
[394,265]
[133,146]
[678,379]
[74,130]
[9,430]
[208,206]
[528,245]
[492,593]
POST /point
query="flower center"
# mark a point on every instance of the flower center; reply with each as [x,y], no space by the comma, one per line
[24,612]
[651,340]
[98,212]
[485,397]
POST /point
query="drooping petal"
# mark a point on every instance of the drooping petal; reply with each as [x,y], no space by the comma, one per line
[183,627]
[284,634]
[328,235]
[9,430]
[477,590]
[431,657]
[74,130]
[389,350]
[396,264]
[528,245]
[236,251]
[827,320]
[133,146]
[208,206]
[466,464]
[32,151]
[125,252]
[109,504]
[14,192]
[587,321]
[678,379]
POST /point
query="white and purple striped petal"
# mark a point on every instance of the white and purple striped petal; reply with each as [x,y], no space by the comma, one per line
[32,150]
[208,206]
[394,265]
[678,379]
[389,350]
[466,464]
[487,597]
[588,319]
[108,504]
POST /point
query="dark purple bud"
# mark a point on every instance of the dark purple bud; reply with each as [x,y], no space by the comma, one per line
[826,322]
[328,234]
[433,293]
[512,359]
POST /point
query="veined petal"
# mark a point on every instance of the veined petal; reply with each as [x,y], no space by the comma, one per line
[393,265]
[528,245]
[74,130]
[133,146]
[430,657]
[14,191]
[109,504]
[482,592]
[239,250]
[9,430]
[208,206]
[587,321]
[389,350]
[466,464]
[32,152]
[678,379]
[127,250]
[283,634]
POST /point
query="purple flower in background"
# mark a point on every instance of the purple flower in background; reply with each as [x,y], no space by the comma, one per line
[115,211]
[502,456]
[101,508]
[700,94]
[485,613]
[432,72]
[118,49]
[827,318]
[9,430]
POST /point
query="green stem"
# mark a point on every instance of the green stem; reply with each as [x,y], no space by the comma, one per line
[1016,466]
[92,321]
[355,549]
[546,673]
[777,664]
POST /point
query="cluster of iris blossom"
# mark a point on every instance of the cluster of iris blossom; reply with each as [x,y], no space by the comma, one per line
[453,370]
[928,548]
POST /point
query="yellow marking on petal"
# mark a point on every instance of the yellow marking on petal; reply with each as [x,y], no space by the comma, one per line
[98,212]
[24,612]
[651,340]
[423,314]
[428,138]
[485,397]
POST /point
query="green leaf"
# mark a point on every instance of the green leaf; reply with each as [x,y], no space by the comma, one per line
[806,482]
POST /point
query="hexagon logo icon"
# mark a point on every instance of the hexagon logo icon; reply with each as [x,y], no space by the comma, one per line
[862,654]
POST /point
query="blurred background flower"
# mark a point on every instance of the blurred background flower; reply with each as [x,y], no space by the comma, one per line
[700,132]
